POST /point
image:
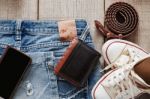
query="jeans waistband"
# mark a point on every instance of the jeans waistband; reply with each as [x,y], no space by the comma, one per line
[30,35]
[35,27]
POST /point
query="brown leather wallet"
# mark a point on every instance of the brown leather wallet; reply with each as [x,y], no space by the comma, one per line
[77,63]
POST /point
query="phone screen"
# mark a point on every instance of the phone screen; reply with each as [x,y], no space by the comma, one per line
[12,66]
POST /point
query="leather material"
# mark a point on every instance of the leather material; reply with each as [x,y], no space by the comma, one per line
[67,30]
[77,63]
[121,20]
[142,69]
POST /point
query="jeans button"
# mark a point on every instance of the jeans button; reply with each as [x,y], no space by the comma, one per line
[50,64]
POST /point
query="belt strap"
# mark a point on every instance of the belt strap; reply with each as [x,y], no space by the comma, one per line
[121,19]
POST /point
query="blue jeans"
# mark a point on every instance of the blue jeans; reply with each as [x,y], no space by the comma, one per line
[40,40]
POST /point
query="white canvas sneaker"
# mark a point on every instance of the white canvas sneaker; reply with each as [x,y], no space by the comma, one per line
[124,83]
[118,53]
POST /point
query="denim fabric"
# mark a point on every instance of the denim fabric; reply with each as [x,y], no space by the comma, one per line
[40,40]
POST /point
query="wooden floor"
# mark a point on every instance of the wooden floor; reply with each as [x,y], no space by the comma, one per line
[69,9]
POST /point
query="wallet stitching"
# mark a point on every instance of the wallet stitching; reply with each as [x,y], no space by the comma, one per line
[94,61]
[72,55]
[68,62]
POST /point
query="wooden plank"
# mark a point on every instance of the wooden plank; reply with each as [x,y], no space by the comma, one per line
[73,9]
[18,9]
[142,36]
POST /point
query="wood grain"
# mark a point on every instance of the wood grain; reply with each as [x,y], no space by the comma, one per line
[18,9]
[142,35]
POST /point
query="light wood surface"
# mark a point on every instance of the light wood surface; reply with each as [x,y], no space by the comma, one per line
[18,9]
[70,9]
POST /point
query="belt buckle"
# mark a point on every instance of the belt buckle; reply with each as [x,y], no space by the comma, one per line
[106,33]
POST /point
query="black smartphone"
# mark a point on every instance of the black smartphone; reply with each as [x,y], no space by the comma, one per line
[13,65]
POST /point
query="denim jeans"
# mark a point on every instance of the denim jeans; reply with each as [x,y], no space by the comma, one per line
[40,40]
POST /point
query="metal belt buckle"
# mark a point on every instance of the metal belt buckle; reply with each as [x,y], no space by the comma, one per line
[106,33]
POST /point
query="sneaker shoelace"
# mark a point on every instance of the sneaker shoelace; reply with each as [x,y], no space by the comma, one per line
[122,85]
[127,56]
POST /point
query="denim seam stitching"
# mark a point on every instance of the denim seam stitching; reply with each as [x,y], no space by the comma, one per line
[48,45]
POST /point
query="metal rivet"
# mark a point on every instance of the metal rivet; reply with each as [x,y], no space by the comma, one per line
[29,89]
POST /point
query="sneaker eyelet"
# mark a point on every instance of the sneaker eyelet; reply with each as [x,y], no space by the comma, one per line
[124,79]
[114,77]
[109,80]
[114,86]
[119,74]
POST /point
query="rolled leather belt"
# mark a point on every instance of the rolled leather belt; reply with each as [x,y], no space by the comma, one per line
[121,20]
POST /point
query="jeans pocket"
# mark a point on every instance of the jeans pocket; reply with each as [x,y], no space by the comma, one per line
[3,47]
[35,82]
[7,38]
[67,90]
